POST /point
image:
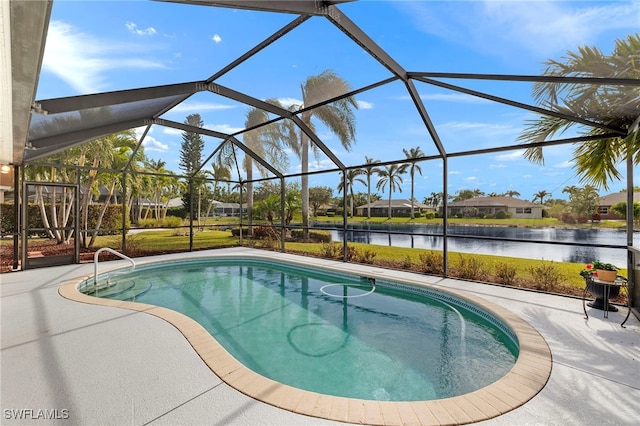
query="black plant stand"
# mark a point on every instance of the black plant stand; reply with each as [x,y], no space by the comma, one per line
[603,290]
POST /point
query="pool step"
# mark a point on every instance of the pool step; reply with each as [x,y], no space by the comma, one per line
[89,288]
[131,293]
[115,289]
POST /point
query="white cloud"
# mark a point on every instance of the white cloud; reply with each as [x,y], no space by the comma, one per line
[171,131]
[510,156]
[454,172]
[497,166]
[82,60]
[287,102]
[151,144]
[224,128]
[322,164]
[216,38]
[564,164]
[542,28]
[134,29]
[365,105]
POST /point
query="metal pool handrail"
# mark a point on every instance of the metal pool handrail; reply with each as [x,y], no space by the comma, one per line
[110,250]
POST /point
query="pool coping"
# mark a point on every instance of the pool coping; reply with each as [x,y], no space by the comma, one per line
[526,378]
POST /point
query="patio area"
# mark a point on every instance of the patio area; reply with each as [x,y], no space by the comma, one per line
[87,364]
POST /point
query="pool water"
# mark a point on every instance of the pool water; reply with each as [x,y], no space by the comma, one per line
[331,333]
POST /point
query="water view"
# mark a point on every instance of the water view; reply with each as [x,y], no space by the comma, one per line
[426,236]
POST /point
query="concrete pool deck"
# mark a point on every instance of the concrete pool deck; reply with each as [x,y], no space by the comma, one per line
[87,364]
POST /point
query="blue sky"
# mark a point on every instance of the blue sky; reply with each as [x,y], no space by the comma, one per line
[96,46]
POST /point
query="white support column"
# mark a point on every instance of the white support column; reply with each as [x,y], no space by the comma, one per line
[6,97]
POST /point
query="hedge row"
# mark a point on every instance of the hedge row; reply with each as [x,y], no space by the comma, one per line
[112,218]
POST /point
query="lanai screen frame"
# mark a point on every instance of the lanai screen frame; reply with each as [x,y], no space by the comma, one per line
[168,96]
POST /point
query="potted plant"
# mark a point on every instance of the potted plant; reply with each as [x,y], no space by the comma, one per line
[604,272]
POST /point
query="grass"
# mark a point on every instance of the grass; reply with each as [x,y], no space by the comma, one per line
[570,272]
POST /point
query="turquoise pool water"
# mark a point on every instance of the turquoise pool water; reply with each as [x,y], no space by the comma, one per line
[331,333]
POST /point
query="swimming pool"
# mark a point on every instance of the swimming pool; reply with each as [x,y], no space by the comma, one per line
[329,332]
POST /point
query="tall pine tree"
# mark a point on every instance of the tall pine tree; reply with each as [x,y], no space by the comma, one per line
[191,157]
[192,146]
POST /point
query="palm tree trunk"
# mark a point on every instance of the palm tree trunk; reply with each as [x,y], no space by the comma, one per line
[304,183]
[67,213]
[43,212]
[368,196]
[107,201]
[249,196]
[412,213]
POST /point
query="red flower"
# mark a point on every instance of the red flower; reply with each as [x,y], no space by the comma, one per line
[589,267]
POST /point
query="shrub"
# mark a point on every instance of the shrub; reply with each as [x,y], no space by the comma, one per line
[361,255]
[568,218]
[432,262]
[172,222]
[265,232]
[236,232]
[471,268]
[407,262]
[180,212]
[319,236]
[582,219]
[546,276]
[147,223]
[331,250]
[506,273]
[429,215]
[180,232]
[133,243]
[501,214]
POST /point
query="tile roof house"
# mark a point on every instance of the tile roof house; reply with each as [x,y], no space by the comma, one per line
[491,205]
[399,208]
[608,201]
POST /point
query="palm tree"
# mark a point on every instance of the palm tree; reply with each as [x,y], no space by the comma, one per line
[413,154]
[291,205]
[434,200]
[612,106]
[351,179]
[267,142]
[511,193]
[269,208]
[369,170]
[391,175]
[540,195]
[338,116]
[219,173]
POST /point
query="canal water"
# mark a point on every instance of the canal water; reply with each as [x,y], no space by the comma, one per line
[426,236]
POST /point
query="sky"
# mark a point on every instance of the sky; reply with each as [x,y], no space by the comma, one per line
[96,46]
